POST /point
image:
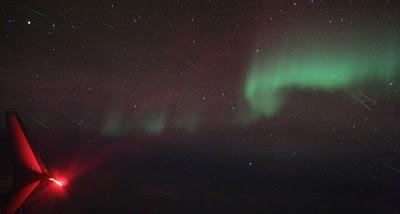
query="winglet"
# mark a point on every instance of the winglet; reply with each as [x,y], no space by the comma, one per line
[25,157]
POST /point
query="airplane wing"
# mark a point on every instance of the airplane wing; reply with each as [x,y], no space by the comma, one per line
[27,167]
[25,158]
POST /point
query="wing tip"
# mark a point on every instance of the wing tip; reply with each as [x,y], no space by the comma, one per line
[10,114]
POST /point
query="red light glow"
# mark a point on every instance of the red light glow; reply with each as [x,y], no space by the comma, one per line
[57,182]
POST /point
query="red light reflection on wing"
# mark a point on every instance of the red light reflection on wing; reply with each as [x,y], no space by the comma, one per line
[19,198]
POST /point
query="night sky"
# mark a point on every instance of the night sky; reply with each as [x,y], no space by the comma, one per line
[207,106]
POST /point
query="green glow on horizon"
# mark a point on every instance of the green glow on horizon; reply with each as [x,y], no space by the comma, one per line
[318,69]
[153,123]
[112,125]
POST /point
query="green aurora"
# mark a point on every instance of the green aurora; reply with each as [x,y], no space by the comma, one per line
[152,123]
[316,69]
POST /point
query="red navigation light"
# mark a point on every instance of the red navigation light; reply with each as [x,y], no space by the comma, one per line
[57,182]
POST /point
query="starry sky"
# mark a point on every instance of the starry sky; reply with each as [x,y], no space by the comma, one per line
[170,93]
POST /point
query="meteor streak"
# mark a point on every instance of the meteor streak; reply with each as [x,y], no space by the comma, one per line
[359,100]
[38,13]
[109,26]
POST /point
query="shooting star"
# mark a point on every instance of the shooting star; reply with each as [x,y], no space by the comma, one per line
[78,123]
[359,100]
[107,25]
[368,98]
[36,121]
[391,167]
[167,194]
[39,13]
